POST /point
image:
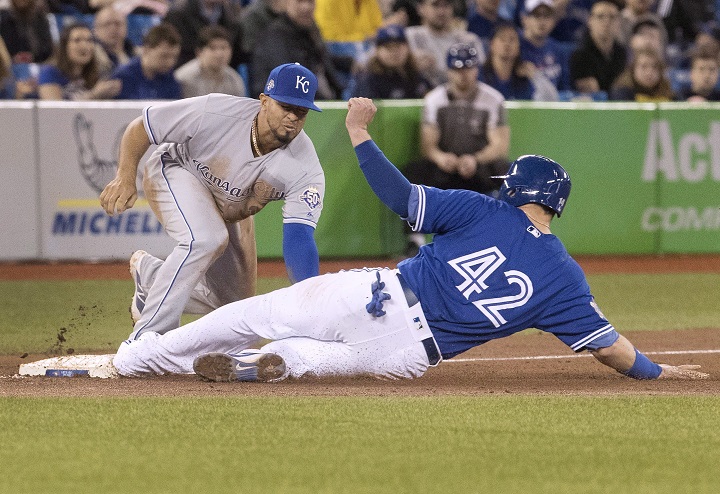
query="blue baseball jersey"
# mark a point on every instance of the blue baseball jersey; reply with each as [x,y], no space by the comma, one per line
[551,59]
[490,273]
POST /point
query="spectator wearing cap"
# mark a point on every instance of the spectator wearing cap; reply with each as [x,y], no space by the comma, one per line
[504,70]
[430,42]
[537,47]
[571,19]
[600,58]
[390,72]
[704,77]
[464,135]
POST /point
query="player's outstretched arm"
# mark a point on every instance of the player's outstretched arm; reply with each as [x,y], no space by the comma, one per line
[626,359]
[386,181]
[121,193]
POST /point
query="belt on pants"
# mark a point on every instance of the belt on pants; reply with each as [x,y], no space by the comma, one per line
[431,348]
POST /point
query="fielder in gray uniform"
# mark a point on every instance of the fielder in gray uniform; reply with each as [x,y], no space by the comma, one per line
[220,160]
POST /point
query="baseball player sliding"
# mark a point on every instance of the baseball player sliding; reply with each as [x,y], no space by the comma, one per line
[493,269]
[220,160]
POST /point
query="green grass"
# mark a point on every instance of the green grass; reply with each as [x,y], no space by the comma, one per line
[95,315]
[375,445]
[484,444]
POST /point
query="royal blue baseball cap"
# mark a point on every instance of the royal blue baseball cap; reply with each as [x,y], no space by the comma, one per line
[390,33]
[292,84]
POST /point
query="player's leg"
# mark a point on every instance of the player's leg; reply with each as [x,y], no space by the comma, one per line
[328,308]
[189,215]
[233,276]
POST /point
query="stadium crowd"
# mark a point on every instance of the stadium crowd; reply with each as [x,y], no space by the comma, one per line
[628,50]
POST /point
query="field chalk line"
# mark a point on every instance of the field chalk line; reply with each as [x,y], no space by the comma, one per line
[552,357]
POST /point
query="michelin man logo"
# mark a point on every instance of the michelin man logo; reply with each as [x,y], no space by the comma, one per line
[311,196]
[270,85]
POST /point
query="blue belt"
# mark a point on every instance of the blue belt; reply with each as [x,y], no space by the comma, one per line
[429,343]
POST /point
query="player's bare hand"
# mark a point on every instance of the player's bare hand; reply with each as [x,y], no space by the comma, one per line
[682,372]
[361,112]
[118,196]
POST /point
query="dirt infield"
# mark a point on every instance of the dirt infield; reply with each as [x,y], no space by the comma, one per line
[508,366]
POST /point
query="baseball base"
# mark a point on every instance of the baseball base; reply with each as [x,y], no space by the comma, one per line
[100,366]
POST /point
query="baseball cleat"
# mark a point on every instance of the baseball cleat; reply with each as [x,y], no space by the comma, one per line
[250,365]
[138,300]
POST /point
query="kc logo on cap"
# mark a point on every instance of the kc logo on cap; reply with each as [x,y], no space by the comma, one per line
[293,84]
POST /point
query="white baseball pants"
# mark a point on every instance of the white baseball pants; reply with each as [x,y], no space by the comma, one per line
[319,326]
[214,262]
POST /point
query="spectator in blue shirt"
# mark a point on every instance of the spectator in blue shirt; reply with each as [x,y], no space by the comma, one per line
[536,46]
[150,76]
[505,71]
[74,73]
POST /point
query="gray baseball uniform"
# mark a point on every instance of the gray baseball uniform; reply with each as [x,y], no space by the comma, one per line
[202,180]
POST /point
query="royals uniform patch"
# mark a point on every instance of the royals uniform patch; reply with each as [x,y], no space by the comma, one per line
[311,197]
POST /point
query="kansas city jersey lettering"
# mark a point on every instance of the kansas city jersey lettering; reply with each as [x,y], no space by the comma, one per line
[475,268]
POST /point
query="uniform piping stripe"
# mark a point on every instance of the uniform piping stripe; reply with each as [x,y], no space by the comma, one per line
[300,220]
[146,122]
[593,336]
[192,239]
[421,209]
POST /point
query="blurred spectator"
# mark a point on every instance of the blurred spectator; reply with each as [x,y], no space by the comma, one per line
[704,77]
[571,19]
[75,73]
[548,56]
[390,73]
[347,21]
[256,18]
[209,72]
[636,11]
[482,19]
[138,7]
[505,71]
[683,19]
[430,41]
[294,37]
[26,31]
[465,137]
[69,7]
[600,58]
[643,80]
[114,47]
[7,80]
[648,32]
[150,76]
[404,13]
[190,16]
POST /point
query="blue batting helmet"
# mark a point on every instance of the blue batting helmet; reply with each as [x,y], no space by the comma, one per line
[536,179]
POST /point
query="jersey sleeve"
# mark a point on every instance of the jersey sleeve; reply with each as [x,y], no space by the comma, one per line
[575,318]
[432,210]
[304,197]
[176,121]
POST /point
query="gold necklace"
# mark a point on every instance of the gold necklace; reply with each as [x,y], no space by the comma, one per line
[253,138]
[547,225]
